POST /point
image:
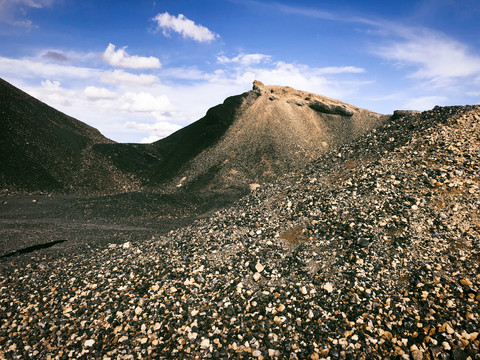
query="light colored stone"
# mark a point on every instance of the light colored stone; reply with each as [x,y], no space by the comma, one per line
[417,355]
[254,187]
[205,344]
[256,276]
[127,245]
[259,267]
[123,339]
[89,343]
[328,287]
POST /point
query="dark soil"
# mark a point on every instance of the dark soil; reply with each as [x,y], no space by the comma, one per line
[40,226]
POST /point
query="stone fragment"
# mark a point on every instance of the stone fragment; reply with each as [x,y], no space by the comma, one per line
[205,344]
[123,339]
[89,343]
[256,276]
[259,267]
[417,355]
[254,187]
[328,287]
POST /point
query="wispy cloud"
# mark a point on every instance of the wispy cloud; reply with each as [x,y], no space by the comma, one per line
[434,56]
[245,68]
[157,130]
[244,59]
[30,67]
[425,102]
[183,26]
[35,3]
[11,10]
[121,58]
[126,78]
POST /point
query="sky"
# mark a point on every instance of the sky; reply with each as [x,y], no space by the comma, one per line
[140,70]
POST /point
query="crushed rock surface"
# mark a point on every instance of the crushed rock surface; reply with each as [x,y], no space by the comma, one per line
[372,252]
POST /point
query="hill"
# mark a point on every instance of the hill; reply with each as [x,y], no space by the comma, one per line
[43,149]
[259,135]
[370,252]
[250,138]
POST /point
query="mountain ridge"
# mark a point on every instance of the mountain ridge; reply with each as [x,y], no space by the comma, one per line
[250,138]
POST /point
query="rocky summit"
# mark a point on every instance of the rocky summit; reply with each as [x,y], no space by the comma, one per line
[372,251]
[260,135]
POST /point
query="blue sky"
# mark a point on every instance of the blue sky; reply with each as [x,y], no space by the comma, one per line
[139,70]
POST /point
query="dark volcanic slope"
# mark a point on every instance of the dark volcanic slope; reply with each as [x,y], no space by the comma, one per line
[372,252]
[43,149]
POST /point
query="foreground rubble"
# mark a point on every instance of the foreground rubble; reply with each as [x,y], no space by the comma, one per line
[372,252]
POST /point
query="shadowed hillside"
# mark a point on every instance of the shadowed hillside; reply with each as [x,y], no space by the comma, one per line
[43,149]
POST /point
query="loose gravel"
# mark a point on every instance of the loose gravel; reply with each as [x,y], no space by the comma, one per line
[372,252]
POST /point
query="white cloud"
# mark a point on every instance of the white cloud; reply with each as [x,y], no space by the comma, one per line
[52,93]
[150,139]
[96,93]
[303,77]
[126,78]
[244,59]
[122,59]
[145,102]
[51,85]
[181,25]
[435,56]
[30,68]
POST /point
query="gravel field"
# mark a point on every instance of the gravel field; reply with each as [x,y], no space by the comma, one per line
[371,252]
